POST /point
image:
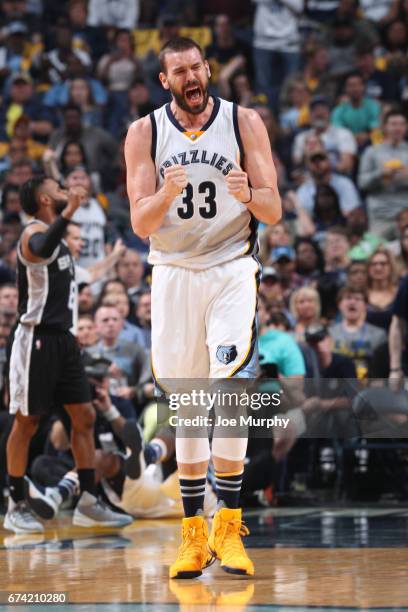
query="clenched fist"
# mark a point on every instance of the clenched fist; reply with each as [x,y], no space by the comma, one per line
[237,184]
[76,196]
[175,180]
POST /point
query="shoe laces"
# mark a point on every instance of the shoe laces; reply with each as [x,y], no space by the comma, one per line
[231,532]
[191,542]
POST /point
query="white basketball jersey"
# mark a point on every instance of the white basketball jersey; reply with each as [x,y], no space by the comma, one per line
[205,226]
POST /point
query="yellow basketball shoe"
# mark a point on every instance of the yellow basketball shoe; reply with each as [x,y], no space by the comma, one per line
[226,544]
[193,555]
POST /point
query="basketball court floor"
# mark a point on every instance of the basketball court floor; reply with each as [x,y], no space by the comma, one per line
[312,558]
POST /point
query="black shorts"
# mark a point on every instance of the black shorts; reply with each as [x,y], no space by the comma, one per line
[46,370]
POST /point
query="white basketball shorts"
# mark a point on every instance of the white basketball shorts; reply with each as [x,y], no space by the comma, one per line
[204,321]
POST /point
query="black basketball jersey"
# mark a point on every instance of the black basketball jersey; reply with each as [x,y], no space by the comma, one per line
[47,290]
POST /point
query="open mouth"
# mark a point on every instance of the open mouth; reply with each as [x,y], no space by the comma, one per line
[193,94]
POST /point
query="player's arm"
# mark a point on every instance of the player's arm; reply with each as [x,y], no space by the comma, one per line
[39,242]
[262,198]
[148,207]
[100,268]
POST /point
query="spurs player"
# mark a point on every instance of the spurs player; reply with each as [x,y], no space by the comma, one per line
[199,175]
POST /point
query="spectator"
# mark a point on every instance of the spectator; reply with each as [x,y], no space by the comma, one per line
[357,276]
[336,249]
[117,70]
[338,370]
[276,44]
[80,94]
[363,242]
[100,148]
[309,260]
[12,53]
[72,155]
[316,70]
[138,104]
[383,176]
[321,174]
[358,113]
[23,102]
[305,309]
[59,94]
[283,259]
[342,42]
[129,332]
[225,47]
[20,172]
[296,113]
[273,236]
[10,200]
[8,304]
[86,331]
[90,39]
[55,62]
[280,349]
[117,14]
[130,365]
[338,142]
[379,84]
[326,210]
[355,337]
[382,287]
[91,219]
[101,268]
[85,299]
[395,52]
[130,270]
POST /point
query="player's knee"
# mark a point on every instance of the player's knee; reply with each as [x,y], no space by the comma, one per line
[27,424]
[84,418]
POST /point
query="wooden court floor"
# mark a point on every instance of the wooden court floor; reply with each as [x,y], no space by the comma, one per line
[320,559]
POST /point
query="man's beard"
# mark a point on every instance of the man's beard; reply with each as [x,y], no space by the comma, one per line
[181,99]
[59,206]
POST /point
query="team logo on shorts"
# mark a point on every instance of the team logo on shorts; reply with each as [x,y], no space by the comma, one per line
[226,354]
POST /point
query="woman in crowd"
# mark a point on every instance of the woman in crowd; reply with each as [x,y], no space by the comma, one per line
[305,308]
[382,287]
[80,93]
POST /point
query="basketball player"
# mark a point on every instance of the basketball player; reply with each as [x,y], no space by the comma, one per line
[199,171]
[45,363]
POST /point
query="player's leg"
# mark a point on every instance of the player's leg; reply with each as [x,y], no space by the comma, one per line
[29,399]
[179,354]
[231,337]
[74,392]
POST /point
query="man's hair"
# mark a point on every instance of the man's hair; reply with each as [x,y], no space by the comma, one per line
[394,112]
[338,230]
[177,45]
[8,285]
[28,194]
[70,224]
[348,290]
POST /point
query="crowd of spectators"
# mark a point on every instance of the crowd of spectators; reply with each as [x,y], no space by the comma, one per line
[330,81]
